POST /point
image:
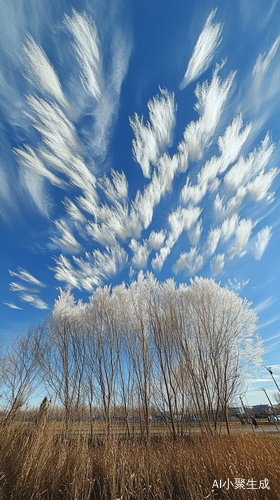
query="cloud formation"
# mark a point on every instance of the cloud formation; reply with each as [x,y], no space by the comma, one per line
[141,253]
[87,48]
[262,241]
[203,216]
[40,71]
[151,139]
[93,270]
[235,285]
[217,264]
[262,64]
[66,241]
[211,98]
[25,293]
[264,304]
[242,235]
[11,305]
[26,276]
[179,220]
[34,301]
[204,51]
[192,261]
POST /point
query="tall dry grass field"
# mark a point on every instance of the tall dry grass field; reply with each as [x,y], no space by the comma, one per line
[36,463]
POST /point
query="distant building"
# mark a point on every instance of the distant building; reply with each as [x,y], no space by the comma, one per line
[235,410]
[261,409]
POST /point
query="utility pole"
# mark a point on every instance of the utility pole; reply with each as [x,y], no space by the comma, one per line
[271,373]
[247,418]
[275,418]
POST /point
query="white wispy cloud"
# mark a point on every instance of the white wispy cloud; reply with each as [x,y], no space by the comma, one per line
[40,71]
[209,171]
[245,169]
[167,167]
[160,258]
[120,221]
[34,186]
[101,233]
[141,252]
[269,339]
[156,239]
[213,239]
[144,203]
[66,241]
[26,276]
[151,139]
[270,321]
[193,193]
[264,304]
[18,287]
[26,293]
[5,193]
[73,211]
[106,111]
[102,82]
[192,261]
[263,62]
[259,186]
[59,135]
[217,264]
[179,220]
[57,131]
[262,240]
[195,234]
[258,380]
[4,185]
[29,159]
[242,235]
[230,144]
[236,200]
[204,51]
[235,285]
[34,301]
[272,346]
[182,219]
[210,101]
[107,263]
[12,306]
[64,271]
[232,204]
[117,189]
[91,271]
[87,48]
[228,227]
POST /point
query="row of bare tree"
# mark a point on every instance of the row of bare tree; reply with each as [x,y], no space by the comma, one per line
[182,351]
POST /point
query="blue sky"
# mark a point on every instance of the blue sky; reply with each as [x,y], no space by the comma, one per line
[139,135]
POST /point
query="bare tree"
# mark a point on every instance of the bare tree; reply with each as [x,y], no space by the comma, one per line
[184,350]
[21,370]
[162,319]
[64,356]
[139,343]
[102,353]
[219,345]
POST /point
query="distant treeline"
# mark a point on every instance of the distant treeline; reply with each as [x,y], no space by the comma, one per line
[151,348]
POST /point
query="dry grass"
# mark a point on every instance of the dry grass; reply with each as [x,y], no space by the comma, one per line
[37,464]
